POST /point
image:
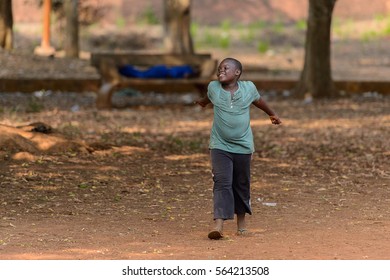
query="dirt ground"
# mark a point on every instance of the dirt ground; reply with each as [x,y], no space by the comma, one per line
[138,186]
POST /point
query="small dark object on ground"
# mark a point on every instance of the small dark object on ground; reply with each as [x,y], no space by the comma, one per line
[40,127]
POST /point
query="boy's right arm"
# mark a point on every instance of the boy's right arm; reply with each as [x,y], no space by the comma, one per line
[203,101]
[261,104]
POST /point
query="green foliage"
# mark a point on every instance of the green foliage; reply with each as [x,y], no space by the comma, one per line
[278,27]
[226,25]
[120,22]
[224,40]
[386,30]
[336,24]
[84,185]
[149,16]
[208,39]
[117,197]
[224,34]
[370,35]
[379,18]
[212,37]
[378,33]
[343,29]
[262,47]
[194,29]
[258,25]
[301,24]
[385,21]
[248,33]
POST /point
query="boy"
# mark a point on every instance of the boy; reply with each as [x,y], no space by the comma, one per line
[231,143]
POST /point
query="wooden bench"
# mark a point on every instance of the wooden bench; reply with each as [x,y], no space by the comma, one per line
[108,63]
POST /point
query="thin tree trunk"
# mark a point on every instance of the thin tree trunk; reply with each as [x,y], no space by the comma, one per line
[316,77]
[6,25]
[71,43]
[177,23]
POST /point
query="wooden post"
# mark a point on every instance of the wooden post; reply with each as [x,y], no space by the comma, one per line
[45,48]
[71,42]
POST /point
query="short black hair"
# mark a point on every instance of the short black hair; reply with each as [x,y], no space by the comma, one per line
[236,62]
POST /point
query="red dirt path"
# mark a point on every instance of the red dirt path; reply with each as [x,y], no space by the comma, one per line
[145,192]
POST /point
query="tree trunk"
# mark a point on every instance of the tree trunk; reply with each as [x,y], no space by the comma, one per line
[177,23]
[71,43]
[316,77]
[6,24]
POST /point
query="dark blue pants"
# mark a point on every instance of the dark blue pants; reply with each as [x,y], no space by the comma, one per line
[231,176]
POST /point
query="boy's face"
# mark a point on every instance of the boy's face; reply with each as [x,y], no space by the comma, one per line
[227,71]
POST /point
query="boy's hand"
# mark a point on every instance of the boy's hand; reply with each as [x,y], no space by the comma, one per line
[261,104]
[203,102]
[275,119]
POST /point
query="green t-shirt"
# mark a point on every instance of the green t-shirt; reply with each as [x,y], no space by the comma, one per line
[231,129]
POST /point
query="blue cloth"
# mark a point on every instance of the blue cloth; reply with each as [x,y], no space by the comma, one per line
[157,71]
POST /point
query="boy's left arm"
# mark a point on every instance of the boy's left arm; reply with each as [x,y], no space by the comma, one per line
[203,101]
[261,104]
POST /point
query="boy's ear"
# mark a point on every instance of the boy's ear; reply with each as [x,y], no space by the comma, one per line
[238,72]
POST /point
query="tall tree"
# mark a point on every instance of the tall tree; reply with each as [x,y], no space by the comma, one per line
[71,43]
[6,24]
[177,23]
[316,77]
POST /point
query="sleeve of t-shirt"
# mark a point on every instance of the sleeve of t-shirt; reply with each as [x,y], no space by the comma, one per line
[255,93]
[211,91]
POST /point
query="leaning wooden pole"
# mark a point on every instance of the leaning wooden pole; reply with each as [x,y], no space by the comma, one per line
[45,48]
